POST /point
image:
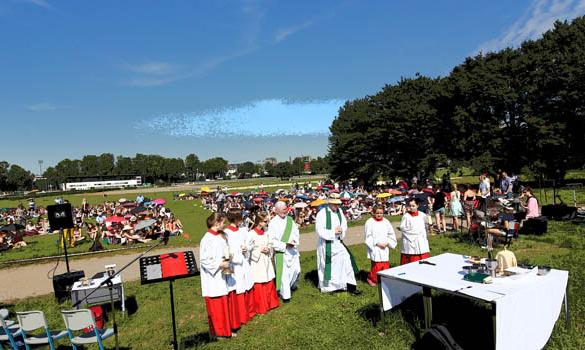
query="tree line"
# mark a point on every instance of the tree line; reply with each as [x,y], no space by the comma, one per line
[519,110]
[152,168]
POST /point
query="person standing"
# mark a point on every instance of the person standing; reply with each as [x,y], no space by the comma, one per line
[484,191]
[239,297]
[438,206]
[264,290]
[379,237]
[285,238]
[414,228]
[506,185]
[336,266]
[455,207]
[214,286]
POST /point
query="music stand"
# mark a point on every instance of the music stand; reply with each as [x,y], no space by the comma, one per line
[108,281]
[168,267]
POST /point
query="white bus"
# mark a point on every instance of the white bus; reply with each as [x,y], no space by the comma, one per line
[100,182]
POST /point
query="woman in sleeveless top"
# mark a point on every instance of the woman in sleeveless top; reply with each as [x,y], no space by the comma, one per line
[455,206]
[468,204]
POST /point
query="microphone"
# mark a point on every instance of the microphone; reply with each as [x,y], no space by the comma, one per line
[165,237]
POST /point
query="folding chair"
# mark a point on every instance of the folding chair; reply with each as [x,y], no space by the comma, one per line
[9,330]
[32,320]
[79,320]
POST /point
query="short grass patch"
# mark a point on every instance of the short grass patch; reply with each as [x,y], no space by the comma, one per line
[316,321]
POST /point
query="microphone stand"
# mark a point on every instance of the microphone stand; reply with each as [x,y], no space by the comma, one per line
[108,281]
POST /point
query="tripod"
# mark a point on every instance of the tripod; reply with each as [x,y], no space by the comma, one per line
[108,281]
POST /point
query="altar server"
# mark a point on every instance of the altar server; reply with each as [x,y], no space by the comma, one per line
[414,228]
[336,267]
[239,298]
[214,256]
[264,290]
[379,237]
[284,235]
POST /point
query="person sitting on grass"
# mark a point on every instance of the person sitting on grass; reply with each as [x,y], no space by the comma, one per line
[379,236]
[414,228]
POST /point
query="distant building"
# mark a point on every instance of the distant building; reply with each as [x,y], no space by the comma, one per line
[270,160]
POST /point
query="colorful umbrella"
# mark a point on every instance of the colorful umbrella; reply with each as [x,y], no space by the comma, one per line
[115,219]
[159,201]
[394,191]
[258,199]
[346,195]
[397,199]
[144,224]
[318,202]
[384,195]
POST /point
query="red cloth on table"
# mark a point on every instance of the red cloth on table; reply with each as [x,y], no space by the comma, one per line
[218,316]
[239,314]
[265,297]
[408,258]
[377,266]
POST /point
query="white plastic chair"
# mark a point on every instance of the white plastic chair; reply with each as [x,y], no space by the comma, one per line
[77,320]
[8,330]
[32,320]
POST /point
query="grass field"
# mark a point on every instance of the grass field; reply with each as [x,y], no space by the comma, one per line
[316,321]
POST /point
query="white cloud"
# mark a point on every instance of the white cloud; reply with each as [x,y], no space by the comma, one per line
[538,18]
[40,3]
[42,107]
[152,68]
[275,117]
[283,33]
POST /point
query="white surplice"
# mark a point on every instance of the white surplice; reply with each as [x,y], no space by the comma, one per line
[211,253]
[341,268]
[414,234]
[260,263]
[237,238]
[379,232]
[291,265]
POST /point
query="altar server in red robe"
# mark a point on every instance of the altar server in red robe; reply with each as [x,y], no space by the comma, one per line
[380,237]
[214,257]
[414,228]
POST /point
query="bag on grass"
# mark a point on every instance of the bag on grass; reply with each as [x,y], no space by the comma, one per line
[437,337]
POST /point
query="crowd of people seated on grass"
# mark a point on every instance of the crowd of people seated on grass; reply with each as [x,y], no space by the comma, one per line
[107,223]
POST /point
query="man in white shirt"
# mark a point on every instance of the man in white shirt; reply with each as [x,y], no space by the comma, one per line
[379,237]
[335,264]
[285,238]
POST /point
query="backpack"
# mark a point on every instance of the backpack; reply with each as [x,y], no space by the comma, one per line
[437,337]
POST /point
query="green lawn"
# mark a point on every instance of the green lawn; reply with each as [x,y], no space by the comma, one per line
[317,321]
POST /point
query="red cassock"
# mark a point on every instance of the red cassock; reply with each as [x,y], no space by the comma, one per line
[408,258]
[376,267]
[265,297]
[250,303]
[238,309]
[218,316]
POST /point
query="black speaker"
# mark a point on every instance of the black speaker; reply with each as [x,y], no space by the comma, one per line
[62,284]
[60,216]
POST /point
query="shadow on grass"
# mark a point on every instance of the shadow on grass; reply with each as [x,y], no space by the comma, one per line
[131,305]
[195,340]
[469,322]
[313,277]
[362,276]
[370,313]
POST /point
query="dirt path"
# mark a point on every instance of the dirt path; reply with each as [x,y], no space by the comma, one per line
[31,280]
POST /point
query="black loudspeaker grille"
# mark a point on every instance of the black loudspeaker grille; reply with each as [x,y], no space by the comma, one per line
[62,284]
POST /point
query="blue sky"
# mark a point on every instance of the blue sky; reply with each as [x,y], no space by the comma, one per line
[244,80]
